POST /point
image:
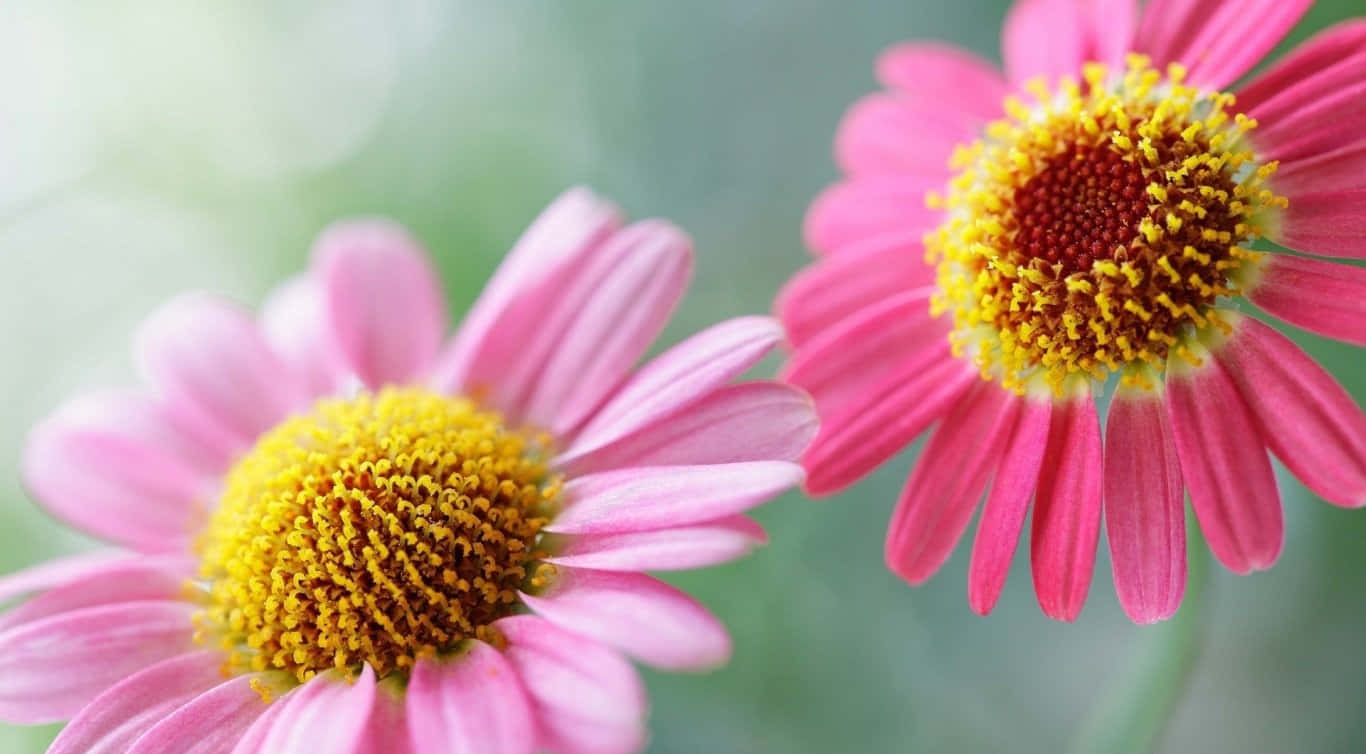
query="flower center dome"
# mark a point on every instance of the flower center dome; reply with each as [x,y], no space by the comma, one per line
[379,529]
[1093,231]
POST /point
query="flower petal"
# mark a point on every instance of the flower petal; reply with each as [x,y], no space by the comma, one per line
[1339,170]
[681,548]
[945,75]
[382,298]
[1067,510]
[294,321]
[1110,25]
[1318,118]
[1225,466]
[1144,507]
[388,730]
[870,209]
[586,698]
[891,135]
[1304,415]
[651,621]
[210,723]
[1322,297]
[1168,27]
[473,703]
[327,714]
[1003,515]
[130,580]
[1329,224]
[1236,37]
[1043,38]
[51,668]
[663,497]
[60,572]
[1326,63]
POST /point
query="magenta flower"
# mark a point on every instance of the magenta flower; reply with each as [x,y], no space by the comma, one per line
[400,545]
[1001,246]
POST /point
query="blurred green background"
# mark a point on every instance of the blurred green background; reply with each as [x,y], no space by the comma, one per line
[150,147]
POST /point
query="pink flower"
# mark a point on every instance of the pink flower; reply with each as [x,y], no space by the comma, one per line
[404,545]
[1002,245]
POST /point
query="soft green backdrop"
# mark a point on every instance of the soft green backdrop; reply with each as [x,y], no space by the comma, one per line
[150,147]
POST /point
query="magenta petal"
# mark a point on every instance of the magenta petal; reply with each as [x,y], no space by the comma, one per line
[1304,415]
[210,723]
[1236,37]
[939,498]
[1003,515]
[1338,45]
[294,320]
[1168,27]
[1043,38]
[1144,507]
[1322,297]
[944,75]
[1225,466]
[469,704]
[327,713]
[871,209]
[51,668]
[132,580]
[1318,118]
[682,548]
[678,377]
[1067,510]
[116,718]
[1328,224]
[1328,172]
[651,621]
[661,497]
[586,698]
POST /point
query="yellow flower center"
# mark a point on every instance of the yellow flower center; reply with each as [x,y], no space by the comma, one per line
[1093,232]
[378,529]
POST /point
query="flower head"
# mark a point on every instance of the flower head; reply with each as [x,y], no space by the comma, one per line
[347,535]
[1006,249]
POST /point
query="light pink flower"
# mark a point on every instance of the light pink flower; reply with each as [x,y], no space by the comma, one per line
[1002,245]
[408,544]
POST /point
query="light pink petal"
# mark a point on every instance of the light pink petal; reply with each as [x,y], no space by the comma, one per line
[605,322]
[679,376]
[1329,224]
[1338,170]
[211,723]
[677,549]
[944,75]
[1145,517]
[939,498]
[1320,115]
[130,580]
[836,287]
[1236,37]
[1044,38]
[327,713]
[60,572]
[1322,297]
[116,718]
[294,321]
[492,339]
[645,618]
[586,698]
[469,704]
[255,736]
[1003,516]
[662,497]
[892,135]
[1067,510]
[752,421]
[1325,63]
[389,730]
[853,442]
[1304,415]
[382,299]
[218,375]
[847,363]
[1226,468]
[1167,28]
[51,668]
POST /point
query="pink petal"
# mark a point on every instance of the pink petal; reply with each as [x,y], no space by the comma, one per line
[60,572]
[836,287]
[859,438]
[1323,59]
[382,299]
[470,704]
[939,498]
[676,549]
[1318,116]
[1329,224]
[752,421]
[1144,507]
[871,209]
[131,580]
[1003,516]
[945,75]
[678,377]
[558,245]
[586,698]
[254,737]
[601,326]
[651,621]
[1067,510]
[1322,297]
[294,321]
[1236,37]
[1043,38]
[327,713]
[120,715]
[388,731]
[1338,170]
[1110,26]
[1225,467]
[1168,27]
[892,135]
[210,723]
[219,376]
[662,497]
[51,668]
[1304,415]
